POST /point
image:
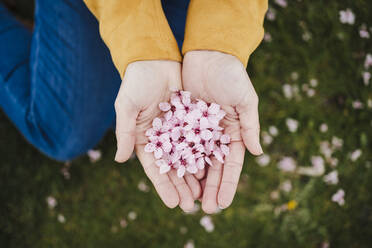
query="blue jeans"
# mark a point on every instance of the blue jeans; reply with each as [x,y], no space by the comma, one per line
[58,83]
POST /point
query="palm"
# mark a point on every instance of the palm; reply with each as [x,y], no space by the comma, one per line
[145,85]
[221,78]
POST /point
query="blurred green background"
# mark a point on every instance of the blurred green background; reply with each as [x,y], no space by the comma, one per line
[311,74]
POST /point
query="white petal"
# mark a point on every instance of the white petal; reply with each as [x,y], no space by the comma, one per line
[190,136]
[204,123]
[176,134]
[208,160]
[192,169]
[181,146]
[225,149]
[218,156]
[200,163]
[168,115]
[225,139]
[149,147]
[164,137]
[164,106]
[150,132]
[167,146]
[156,123]
[206,135]
[164,168]
[216,135]
[181,171]
[160,162]
[221,114]
[158,153]
[202,105]
[180,114]
[214,109]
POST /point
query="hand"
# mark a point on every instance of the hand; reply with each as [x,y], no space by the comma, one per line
[221,78]
[145,85]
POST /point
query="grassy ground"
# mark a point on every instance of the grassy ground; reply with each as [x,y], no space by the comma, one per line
[101,205]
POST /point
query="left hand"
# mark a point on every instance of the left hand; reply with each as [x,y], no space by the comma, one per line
[221,78]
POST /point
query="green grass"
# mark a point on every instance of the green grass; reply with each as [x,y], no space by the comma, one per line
[99,195]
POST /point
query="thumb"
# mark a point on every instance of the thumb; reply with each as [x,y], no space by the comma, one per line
[249,122]
[126,116]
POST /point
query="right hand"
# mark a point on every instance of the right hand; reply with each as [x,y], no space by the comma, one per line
[144,86]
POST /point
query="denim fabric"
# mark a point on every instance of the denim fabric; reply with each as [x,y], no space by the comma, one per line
[58,83]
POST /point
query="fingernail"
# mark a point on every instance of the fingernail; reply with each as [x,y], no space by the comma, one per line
[260,149]
[116,156]
[220,207]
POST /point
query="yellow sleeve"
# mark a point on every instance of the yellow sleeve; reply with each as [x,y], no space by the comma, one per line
[134,30]
[230,26]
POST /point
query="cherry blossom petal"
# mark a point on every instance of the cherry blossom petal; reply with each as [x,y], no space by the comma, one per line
[176,134]
[160,162]
[164,168]
[168,115]
[150,132]
[214,109]
[181,146]
[218,156]
[225,139]
[225,149]
[157,123]
[150,147]
[192,169]
[180,114]
[200,163]
[208,160]
[216,135]
[167,147]
[158,153]
[164,106]
[206,135]
[202,105]
[164,137]
[181,171]
[190,136]
[204,123]
[221,114]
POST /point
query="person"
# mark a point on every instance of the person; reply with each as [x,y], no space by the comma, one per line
[71,79]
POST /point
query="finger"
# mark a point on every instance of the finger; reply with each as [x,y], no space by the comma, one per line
[161,182]
[200,174]
[126,115]
[209,204]
[184,192]
[194,185]
[202,185]
[231,173]
[249,121]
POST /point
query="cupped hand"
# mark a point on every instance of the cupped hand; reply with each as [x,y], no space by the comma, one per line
[145,85]
[221,78]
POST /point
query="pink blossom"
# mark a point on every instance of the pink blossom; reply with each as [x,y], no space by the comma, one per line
[292,124]
[331,178]
[368,61]
[287,164]
[94,155]
[363,32]
[270,14]
[355,155]
[338,197]
[187,135]
[281,3]
[366,77]
[347,16]
[206,222]
[263,160]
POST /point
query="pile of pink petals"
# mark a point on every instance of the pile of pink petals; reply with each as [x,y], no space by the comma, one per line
[187,135]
